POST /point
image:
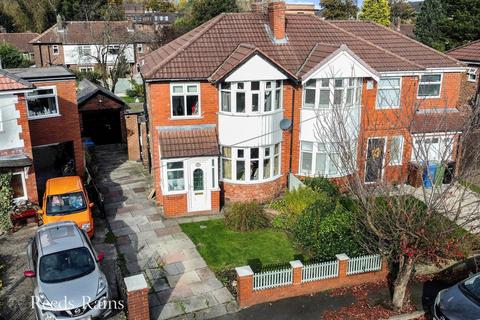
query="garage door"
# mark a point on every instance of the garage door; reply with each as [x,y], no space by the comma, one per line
[102,126]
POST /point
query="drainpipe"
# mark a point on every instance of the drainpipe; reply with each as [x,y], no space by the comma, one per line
[147,126]
[291,137]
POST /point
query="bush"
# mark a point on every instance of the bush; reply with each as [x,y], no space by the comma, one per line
[246,216]
[292,205]
[325,229]
[321,184]
[6,201]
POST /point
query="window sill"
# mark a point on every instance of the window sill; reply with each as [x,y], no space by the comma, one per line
[429,97]
[186,118]
[44,117]
[174,193]
[340,175]
[252,114]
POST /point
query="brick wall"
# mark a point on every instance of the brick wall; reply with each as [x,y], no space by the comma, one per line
[246,296]
[133,141]
[175,205]
[137,298]
[44,56]
[52,130]
[261,192]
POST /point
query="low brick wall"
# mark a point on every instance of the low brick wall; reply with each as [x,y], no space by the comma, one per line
[247,296]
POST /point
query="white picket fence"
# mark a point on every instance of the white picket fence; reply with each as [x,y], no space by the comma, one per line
[272,279]
[364,264]
[320,271]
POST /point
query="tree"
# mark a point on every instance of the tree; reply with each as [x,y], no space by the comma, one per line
[160,6]
[430,21]
[6,201]
[408,225]
[12,58]
[377,11]
[338,9]
[401,10]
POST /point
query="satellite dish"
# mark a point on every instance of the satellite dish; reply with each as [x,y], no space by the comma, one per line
[285,124]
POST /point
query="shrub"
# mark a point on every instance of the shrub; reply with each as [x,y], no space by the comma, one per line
[325,229]
[246,216]
[6,201]
[321,184]
[292,205]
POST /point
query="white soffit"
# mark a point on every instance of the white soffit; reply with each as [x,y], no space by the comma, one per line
[342,64]
[256,68]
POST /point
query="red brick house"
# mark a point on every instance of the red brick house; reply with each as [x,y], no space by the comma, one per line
[39,103]
[21,41]
[216,97]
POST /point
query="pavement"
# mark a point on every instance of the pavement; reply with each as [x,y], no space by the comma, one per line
[181,284]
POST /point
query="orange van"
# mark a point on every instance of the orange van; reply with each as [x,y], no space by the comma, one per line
[65,199]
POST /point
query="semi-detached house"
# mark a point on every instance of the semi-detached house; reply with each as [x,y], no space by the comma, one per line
[216,97]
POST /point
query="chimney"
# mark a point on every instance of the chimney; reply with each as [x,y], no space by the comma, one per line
[276,19]
[59,22]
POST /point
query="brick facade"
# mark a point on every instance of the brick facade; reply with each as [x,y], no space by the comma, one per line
[51,130]
[137,298]
[45,57]
[133,139]
[261,192]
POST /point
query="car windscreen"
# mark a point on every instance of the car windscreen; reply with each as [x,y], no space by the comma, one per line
[472,285]
[65,203]
[66,265]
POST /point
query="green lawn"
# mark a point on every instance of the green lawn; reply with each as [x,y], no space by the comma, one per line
[225,249]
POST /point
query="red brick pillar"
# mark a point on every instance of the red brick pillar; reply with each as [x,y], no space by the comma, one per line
[342,265]
[244,285]
[297,266]
[137,298]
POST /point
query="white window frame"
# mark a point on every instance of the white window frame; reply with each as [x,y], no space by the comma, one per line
[185,94]
[56,49]
[440,83]
[399,89]
[276,90]
[84,51]
[398,161]
[472,74]
[165,176]
[86,69]
[330,152]
[441,146]
[139,48]
[356,87]
[24,186]
[54,94]
[272,156]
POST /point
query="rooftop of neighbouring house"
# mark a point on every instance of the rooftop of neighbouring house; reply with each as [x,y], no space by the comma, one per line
[88,89]
[43,73]
[231,38]
[19,40]
[92,32]
[469,52]
[11,82]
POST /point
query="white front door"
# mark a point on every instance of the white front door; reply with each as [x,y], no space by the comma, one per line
[199,193]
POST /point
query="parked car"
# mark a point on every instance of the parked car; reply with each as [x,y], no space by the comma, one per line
[66,199]
[67,278]
[459,302]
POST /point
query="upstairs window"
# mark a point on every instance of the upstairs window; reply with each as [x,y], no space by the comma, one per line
[113,49]
[251,97]
[388,95]
[326,93]
[140,48]
[84,51]
[472,74]
[185,100]
[42,102]
[429,86]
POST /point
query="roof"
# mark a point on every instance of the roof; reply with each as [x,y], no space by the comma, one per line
[15,161]
[63,185]
[467,52]
[200,52]
[59,236]
[19,40]
[9,81]
[88,89]
[449,120]
[91,32]
[188,141]
[43,73]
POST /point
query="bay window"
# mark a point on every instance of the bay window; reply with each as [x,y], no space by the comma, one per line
[320,159]
[185,100]
[338,92]
[250,163]
[250,97]
[388,95]
[432,148]
[42,102]
[175,176]
[430,86]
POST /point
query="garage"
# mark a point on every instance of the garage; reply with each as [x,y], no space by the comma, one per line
[101,114]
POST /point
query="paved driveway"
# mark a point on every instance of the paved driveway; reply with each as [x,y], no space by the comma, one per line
[181,282]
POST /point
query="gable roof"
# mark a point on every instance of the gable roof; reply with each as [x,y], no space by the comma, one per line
[91,32]
[9,82]
[19,40]
[88,89]
[202,51]
[467,52]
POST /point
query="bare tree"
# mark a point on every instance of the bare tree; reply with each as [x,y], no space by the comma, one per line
[375,150]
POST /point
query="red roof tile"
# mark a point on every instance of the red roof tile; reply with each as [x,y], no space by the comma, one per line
[19,40]
[468,52]
[188,141]
[202,51]
[10,82]
[438,122]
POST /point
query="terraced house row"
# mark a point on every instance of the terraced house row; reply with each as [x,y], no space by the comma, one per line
[234,105]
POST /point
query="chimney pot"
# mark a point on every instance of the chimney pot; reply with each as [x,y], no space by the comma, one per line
[276,19]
